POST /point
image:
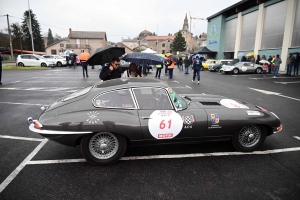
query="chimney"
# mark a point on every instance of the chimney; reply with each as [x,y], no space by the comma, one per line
[70,32]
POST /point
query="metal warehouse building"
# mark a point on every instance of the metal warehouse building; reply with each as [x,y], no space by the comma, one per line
[260,26]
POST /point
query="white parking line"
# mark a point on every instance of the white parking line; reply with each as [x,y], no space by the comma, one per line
[20,138]
[37,162]
[28,104]
[297,137]
[188,87]
[287,82]
[13,175]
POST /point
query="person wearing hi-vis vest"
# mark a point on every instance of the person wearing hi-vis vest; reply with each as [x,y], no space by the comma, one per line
[158,70]
[171,67]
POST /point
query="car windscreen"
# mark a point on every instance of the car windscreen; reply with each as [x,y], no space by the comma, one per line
[179,102]
[77,93]
[238,64]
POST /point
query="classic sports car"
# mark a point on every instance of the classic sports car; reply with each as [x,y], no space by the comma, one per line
[106,117]
[218,65]
[207,63]
[242,67]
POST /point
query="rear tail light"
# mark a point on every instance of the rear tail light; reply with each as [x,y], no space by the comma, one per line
[279,128]
[263,109]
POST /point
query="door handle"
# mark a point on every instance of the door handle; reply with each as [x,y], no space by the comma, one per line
[145,117]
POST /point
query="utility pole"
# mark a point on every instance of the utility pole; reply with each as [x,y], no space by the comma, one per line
[9,32]
[30,28]
[157,38]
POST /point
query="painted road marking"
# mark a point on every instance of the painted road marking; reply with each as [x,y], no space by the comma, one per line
[16,82]
[188,87]
[49,89]
[20,138]
[271,77]
[273,93]
[297,137]
[28,104]
[13,175]
[287,82]
[37,162]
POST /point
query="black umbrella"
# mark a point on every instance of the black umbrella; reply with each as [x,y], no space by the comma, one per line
[143,58]
[105,55]
[173,58]
[73,54]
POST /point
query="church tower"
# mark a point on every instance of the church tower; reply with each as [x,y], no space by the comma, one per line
[185,24]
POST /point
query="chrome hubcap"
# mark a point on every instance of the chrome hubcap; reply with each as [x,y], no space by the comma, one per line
[103,145]
[249,136]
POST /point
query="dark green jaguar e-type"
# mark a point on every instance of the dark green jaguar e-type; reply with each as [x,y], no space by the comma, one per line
[106,117]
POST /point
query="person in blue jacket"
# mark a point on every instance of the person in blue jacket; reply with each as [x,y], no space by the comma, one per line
[197,64]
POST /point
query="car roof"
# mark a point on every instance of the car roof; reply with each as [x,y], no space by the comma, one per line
[131,82]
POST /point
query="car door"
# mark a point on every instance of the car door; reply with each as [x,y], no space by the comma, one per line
[158,118]
[35,61]
[26,60]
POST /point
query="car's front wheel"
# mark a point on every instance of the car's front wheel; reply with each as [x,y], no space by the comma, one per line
[235,71]
[21,64]
[43,64]
[217,69]
[249,138]
[103,148]
[59,64]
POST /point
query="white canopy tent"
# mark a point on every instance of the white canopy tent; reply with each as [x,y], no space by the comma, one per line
[148,50]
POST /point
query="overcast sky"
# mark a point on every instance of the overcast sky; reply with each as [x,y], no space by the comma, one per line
[118,18]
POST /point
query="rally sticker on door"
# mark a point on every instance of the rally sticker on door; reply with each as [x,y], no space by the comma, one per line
[165,124]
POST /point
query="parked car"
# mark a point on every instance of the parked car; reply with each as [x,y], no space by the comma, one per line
[218,65]
[106,117]
[58,60]
[33,60]
[242,67]
[207,63]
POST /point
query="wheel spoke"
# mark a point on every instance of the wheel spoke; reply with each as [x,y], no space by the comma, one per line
[103,145]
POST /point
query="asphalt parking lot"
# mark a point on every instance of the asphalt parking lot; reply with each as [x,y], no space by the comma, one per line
[32,167]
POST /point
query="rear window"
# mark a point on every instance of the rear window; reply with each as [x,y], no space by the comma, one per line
[77,93]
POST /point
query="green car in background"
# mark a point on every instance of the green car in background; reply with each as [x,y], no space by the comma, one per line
[218,65]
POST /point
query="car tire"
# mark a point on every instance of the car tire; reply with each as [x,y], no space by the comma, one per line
[249,138]
[217,69]
[258,70]
[59,64]
[21,64]
[110,149]
[43,65]
[235,71]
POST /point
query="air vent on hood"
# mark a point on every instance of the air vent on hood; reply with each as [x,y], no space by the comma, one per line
[210,103]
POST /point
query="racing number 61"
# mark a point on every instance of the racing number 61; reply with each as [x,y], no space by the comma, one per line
[162,124]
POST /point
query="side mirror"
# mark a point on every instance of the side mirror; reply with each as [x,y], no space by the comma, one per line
[37,58]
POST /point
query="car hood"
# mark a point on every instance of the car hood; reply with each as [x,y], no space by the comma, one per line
[208,101]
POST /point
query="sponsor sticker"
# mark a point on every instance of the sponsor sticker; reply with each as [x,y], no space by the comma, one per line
[93,117]
[215,118]
[229,103]
[165,124]
[188,120]
[253,112]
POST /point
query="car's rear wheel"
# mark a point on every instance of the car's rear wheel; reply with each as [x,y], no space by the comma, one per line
[258,70]
[43,64]
[249,138]
[103,148]
[235,71]
[217,69]
[59,64]
[21,64]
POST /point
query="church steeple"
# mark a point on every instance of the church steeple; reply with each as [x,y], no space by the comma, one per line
[185,24]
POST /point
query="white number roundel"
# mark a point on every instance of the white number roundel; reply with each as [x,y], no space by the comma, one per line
[165,124]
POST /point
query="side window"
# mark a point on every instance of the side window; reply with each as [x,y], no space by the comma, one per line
[33,58]
[247,64]
[152,99]
[25,57]
[115,99]
[46,56]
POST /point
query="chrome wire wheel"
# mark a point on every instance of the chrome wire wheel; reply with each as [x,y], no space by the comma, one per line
[103,145]
[249,136]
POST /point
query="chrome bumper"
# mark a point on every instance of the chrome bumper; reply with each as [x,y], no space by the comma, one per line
[51,132]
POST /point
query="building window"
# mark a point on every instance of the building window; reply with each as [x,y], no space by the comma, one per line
[53,51]
[296,31]
[163,51]
[163,45]
[168,40]
[230,35]
[62,45]
[170,51]
[249,22]
[274,23]
[86,41]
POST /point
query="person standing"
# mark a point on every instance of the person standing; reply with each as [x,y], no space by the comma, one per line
[277,62]
[1,59]
[84,68]
[252,59]
[158,70]
[73,60]
[243,59]
[290,63]
[270,65]
[166,62]
[187,64]
[171,66]
[179,64]
[197,65]
[112,71]
[265,68]
[296,65]
[257,60]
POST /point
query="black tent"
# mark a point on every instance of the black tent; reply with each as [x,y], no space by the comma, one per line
[204,50]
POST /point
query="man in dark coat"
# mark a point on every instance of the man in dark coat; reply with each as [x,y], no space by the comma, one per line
[197,65]
[112,71]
